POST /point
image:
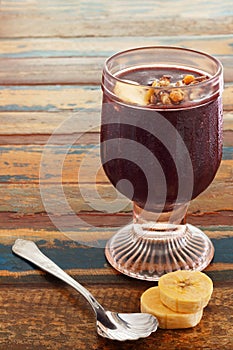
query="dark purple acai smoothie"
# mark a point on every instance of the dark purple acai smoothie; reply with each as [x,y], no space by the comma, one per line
[198,125]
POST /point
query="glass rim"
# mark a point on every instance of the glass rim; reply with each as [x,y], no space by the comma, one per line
[218,73]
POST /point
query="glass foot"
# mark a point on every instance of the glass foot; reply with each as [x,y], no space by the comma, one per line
[148,254]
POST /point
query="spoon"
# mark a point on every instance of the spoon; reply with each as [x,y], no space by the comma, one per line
[112,325]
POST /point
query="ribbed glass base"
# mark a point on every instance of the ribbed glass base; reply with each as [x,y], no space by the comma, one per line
[147,253]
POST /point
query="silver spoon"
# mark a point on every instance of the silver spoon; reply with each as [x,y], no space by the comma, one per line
[112,325]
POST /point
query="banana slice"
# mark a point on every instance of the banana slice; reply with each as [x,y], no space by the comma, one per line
[168,319]
[133,93]
[185,291]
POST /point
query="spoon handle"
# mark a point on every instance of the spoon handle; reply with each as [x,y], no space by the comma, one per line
[29,251]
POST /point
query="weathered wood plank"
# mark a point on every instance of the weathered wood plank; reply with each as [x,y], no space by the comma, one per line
[41,221]
[80,60]
[228,121]
[96,7]
[82,250]
[101,18]
[40,299]
[24,196]
[42,71]
[228,97]
[63,98]
[28,125]
[91,137]
[58,139]
[41,317]
[53,238]
[22,163]
[46,123]
[80,49]
[51,71]
[27,199]
[49,98]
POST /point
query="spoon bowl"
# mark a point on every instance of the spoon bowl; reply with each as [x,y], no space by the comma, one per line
[112,325]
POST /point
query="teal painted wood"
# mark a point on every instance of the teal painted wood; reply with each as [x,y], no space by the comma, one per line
[74,255]
[30,166]
[53,98]
[67,70]
[103,9]
[227,153]
[49,98]
[73,149]
[218,45]
[112,18]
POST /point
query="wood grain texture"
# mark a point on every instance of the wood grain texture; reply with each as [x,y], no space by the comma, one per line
[86,49]
[63,124]
[72,98]
[101,18]
[41,302]
[79,60]
[84,185]
[80,250]
[63,163]
[55,317]
[51,58]
[50,98]
[66,70]
[41,221]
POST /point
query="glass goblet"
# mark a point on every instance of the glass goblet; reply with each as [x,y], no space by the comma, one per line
[161,146]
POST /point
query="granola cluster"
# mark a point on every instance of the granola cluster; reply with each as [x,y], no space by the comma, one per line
[171,93]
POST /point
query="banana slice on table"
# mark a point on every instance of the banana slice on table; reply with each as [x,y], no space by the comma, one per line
[132,92]
[168,319]
[185,291]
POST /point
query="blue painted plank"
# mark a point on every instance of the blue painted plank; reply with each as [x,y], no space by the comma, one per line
[73,255]
[227,153]
[76,150]
[107,46]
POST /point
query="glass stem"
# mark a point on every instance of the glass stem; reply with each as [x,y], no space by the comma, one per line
[157,221]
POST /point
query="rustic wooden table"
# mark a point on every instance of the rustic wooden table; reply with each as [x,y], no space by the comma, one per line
[51,57]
